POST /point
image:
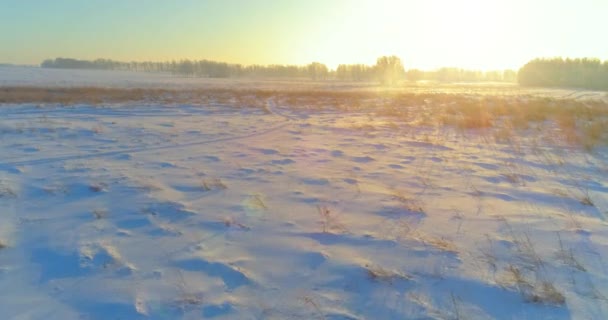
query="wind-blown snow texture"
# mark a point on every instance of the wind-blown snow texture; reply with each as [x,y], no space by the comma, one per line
[186,211]
[215,211]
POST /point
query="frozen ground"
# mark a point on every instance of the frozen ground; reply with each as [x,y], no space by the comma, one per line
[291,209]
[215,211]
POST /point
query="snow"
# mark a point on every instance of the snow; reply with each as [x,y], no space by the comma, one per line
[45,77]
[184,211]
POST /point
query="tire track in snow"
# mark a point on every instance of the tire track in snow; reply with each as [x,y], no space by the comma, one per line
[288,121]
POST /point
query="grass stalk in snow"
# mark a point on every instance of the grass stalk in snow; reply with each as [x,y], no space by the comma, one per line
[329,220]
[543,292]
[489,257]
[585,199]
[455,305]
[100,213]
[410,204]
[311,302]
[377,273]
[213,184]
[230,221]
[524,246]
[258,201]
[567,255]
[187,299]
[440,243]
[98,187]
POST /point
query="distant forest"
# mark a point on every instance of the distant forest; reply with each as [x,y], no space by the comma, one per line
[572,73]
[387,70]
[556,72]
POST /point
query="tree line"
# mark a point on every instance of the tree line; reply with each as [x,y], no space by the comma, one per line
[388,70]
[585,73]
[191,68]
[461,75]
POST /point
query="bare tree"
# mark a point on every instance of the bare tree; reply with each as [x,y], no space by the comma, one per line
[389,70]
[317,70]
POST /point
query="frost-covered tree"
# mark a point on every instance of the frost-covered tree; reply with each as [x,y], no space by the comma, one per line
[317,71]
[558,72]
[389,70]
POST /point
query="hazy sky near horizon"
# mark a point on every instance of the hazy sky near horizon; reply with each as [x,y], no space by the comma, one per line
[478,34]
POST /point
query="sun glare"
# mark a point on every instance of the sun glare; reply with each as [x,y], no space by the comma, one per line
[465,34]
[317,159]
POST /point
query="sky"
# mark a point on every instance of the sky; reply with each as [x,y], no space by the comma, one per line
[425,34]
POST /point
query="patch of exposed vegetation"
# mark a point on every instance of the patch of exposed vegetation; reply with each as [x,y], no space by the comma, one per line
[98,187]
[377,273]
[213,184]
[329,220]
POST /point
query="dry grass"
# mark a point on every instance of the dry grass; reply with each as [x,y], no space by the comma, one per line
[329,220]
[309,300]
[213,184]
[409,203]
[547,293]
[573,122]
[380,274]
[71,95]
[543,292]
[187,299]
[98,187]
[232,222]
[529,276]
[586,201]
[567,256]
[440,243]
[257,201]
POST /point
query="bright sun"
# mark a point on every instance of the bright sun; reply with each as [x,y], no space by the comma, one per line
[425,33]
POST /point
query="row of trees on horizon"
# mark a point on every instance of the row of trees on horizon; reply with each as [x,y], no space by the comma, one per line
[568,73]
[388,70]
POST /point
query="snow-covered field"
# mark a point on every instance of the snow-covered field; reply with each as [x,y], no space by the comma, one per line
[11,76]
[196,211]
[42,77]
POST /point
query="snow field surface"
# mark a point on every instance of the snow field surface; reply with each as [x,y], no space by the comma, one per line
[218,211]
